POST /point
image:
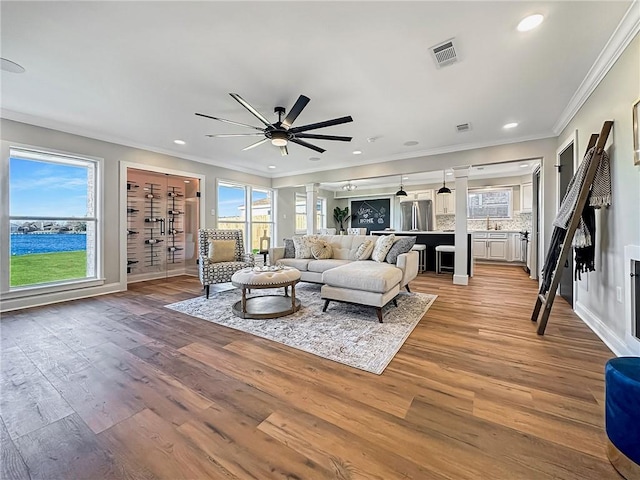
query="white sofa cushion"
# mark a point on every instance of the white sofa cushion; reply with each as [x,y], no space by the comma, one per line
[303,246]
[321,250]
[324,265]
[367,276]
[298,263]
[364,251]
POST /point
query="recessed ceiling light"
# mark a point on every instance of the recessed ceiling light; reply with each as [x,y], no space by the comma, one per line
[405,178]
[9,66]
[357,152]
[530,22]
[179,142]
[314,159]
[510,125]
[449,173]
[272,166]
[410,143]
[524,165]
[187,181]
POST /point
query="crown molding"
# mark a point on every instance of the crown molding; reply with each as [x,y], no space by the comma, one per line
[74,130]
[623,35]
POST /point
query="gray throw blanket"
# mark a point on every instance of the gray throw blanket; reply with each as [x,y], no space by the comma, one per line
[600,196]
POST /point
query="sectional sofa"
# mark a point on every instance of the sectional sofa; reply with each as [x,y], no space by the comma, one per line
[344,278]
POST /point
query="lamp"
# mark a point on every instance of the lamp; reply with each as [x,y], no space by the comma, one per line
[401,192]
[279,139]
[444,189]
[349,187]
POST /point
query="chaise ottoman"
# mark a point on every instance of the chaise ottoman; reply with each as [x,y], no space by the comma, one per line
[363,283]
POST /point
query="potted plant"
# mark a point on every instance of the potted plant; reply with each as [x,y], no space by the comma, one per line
[339,216]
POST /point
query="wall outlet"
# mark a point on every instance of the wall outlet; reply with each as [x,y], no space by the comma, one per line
[619,294]
[213,212]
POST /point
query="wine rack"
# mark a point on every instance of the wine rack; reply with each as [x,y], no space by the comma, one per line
[153,225]
[160,225]
[175,227]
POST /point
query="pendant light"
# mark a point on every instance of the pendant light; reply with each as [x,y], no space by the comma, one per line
[444,189]
[401,192]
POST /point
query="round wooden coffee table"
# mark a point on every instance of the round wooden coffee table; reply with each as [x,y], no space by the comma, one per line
[266,306]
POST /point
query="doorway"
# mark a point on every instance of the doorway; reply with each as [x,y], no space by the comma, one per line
[162,224]
[565,174]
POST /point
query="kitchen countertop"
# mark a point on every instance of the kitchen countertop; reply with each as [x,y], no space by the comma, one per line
[414,232]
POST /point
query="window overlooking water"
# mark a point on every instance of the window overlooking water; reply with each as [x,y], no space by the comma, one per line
[53,218]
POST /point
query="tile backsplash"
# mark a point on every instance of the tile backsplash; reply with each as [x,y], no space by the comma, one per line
[519,222]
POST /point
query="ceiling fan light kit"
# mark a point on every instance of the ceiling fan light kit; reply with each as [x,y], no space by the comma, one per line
[281,132]
[349,187]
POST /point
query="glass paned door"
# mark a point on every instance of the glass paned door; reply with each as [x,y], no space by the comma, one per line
[162,224]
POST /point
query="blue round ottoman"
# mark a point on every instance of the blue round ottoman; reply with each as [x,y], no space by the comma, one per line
[622,414]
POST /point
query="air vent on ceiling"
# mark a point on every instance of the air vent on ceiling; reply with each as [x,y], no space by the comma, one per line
[444,53]
[463,127]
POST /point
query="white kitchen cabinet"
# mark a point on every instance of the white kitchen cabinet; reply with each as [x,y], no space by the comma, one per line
[491,246]
[526,197]
[515,248]
[446,203]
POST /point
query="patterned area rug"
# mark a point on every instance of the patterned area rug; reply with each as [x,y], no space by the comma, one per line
[345,333]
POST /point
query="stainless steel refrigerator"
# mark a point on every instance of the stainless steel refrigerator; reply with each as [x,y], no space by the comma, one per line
[416,215]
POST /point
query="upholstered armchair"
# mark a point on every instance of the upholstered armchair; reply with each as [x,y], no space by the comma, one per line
[221,254]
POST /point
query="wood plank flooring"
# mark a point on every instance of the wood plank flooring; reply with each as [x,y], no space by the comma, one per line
[120,387]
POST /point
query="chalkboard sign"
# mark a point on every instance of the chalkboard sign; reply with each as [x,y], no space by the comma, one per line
[371,214]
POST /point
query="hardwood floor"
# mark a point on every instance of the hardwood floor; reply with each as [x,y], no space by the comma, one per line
[120,387]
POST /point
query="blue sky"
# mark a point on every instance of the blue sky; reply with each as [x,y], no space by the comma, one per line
[231,198]
[42,189]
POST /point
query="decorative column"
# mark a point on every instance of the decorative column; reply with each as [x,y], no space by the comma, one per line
[312,200]
[460,276]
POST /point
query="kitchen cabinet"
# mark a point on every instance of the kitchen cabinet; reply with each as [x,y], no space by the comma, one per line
[515,248]
[526,197]
[491,246]
[446,203]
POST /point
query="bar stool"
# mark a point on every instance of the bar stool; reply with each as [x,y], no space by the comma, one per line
[422,256]
[440,249]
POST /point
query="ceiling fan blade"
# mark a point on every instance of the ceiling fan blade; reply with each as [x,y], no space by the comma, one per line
[308,145]
[228,121]
[284,151]
[295,111]
[254,145]
[246,105]
[323,137]
[327,123]
[223,135]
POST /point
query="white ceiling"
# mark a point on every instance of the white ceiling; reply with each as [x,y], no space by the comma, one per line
[136,72]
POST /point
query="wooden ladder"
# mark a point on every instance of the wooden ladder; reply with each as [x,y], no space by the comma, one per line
[547,300]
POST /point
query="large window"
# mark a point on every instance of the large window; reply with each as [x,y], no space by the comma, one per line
[491,203]
[301,213]
[246,208]
[53,218]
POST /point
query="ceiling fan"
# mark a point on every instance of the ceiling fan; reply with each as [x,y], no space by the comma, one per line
[281,132]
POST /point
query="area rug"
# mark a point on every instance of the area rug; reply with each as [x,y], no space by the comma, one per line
[345,333]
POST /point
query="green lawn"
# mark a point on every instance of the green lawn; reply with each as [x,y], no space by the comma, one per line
[47,267]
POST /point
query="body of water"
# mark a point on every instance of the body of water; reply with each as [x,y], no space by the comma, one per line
[25,244]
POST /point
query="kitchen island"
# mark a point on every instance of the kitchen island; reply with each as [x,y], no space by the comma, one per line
[432,239]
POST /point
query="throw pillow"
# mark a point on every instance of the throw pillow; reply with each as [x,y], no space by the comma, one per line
[302,246]
[383,245]
[321,250]
[365,250]
[222,251]
[289,249]
[401,245]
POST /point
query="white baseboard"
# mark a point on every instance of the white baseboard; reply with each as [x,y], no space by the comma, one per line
[461,279]
[56,297]
[610,339]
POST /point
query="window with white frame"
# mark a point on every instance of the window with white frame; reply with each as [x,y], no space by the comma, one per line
[53,219]
[491,203]
[246,208]
[301,213]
